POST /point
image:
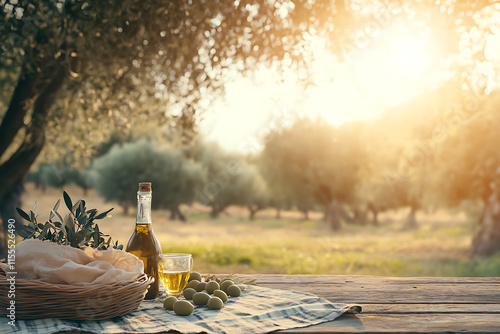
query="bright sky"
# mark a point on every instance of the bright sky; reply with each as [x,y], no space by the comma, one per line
[393,69]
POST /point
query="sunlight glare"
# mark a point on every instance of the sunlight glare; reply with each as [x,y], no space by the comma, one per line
[410,57]
[393,70]
[492,48]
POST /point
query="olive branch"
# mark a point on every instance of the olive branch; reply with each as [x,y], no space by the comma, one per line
[76,229]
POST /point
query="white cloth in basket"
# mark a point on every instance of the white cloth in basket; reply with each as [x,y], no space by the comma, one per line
[53,263]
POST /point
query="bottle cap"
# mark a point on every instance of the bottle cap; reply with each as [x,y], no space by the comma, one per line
[145,187]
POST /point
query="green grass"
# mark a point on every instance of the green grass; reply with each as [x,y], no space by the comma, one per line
[272,259]
[234,244]
[264,260]
[291,246]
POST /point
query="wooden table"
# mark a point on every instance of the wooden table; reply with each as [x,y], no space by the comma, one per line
[410,305]
[400,305]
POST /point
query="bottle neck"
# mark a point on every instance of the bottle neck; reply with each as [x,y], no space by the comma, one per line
[143,208]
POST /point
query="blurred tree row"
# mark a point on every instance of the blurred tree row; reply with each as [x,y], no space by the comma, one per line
[351,172]
[445,156]
[58,175]
[201,173]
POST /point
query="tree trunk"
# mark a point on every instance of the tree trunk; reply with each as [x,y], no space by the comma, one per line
[325,213]
[8,206]
[181,216]
[411,221]
[16,168]
[254,209]
[252,212]
[344,214]
[374,210]
[332,216]
[306,214]
[217,209]
[125,207]
[355,218]
[176,213]
[363,218]
[486,241]
[375,221]
[20,103]
[278,213]
[214,213]
[360,217]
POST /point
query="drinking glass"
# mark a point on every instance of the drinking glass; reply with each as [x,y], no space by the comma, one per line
[174,270]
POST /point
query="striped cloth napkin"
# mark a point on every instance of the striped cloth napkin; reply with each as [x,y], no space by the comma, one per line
[257,310]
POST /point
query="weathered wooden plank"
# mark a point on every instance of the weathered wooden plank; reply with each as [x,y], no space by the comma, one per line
[338,279]
[360,289]
[416,323]
[431,308]
[400,293]
[458,288]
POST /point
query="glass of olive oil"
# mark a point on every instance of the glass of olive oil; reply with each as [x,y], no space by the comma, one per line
[174,270]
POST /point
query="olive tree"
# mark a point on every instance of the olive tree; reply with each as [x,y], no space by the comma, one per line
[231,180]
[118,172]
[468,168]
[315,162]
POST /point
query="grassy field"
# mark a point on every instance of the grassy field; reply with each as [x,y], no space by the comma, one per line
[234,244]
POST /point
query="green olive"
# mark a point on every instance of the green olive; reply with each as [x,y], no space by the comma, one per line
[183,307]
[168,303]
[215,303]
[201,298]
[212,286]
[188,293]
[193,284]
[234,291]
[201,286]
[224,285]
[194,275]
[221,294]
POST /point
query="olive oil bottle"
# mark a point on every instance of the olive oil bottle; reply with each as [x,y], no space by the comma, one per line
[143,242]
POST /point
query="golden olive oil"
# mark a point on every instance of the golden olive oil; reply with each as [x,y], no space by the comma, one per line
[174,281]
[143,242]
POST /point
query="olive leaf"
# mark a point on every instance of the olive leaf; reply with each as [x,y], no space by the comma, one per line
[103,215]
[69,223]
[77,229]
[57,205]
[67,200]
[23,214]
[58,216]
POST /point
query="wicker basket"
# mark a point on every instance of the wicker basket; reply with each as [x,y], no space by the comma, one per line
[35,299]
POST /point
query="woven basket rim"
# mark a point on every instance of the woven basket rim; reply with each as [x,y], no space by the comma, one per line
[140,279]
